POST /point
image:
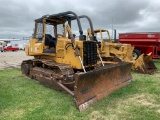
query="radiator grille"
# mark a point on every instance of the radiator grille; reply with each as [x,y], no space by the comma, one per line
[89,53]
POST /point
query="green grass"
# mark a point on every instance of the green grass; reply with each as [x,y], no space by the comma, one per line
[25,99]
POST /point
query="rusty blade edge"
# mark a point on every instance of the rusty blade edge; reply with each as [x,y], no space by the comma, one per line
[98,97]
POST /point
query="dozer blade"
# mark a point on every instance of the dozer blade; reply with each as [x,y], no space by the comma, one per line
[97,84]
[144,64]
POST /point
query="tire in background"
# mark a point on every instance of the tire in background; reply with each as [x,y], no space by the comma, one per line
[136,53]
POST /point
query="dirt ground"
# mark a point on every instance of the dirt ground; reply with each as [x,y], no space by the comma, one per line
[12,59]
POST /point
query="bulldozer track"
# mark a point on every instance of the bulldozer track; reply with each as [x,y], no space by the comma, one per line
[49,72]
[65,69]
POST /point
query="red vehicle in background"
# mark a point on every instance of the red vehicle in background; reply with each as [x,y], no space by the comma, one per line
[143,42]
[10,48]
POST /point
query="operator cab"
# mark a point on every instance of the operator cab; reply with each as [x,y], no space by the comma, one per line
[47,30]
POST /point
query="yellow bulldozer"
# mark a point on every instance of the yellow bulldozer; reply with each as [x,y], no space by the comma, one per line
[110,51]
[67,63]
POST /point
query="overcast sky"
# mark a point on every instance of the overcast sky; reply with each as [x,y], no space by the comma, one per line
[17,16]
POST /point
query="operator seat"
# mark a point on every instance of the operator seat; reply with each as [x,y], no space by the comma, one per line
[50,41]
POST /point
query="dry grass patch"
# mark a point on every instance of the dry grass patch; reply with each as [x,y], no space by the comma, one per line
[13,113]
[146,100]
[96,115]
[158,111]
